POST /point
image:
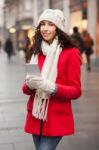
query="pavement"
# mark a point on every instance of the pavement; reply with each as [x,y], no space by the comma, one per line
[13,109]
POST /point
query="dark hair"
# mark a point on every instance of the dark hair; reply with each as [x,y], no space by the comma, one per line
[65,40]
[75,29]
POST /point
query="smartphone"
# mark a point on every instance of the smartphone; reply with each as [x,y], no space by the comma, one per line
[33,69]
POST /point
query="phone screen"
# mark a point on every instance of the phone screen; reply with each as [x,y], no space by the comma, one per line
[33,69]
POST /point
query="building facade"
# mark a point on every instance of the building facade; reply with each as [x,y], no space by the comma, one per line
[23,15]
[18,19]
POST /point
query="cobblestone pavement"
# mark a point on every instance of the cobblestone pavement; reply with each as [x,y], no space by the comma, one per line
[13,109]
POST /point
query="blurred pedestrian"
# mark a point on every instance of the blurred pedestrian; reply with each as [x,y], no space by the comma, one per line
[49,112]
[26,48]
[88,47]
[77,36]
[21,49]
[8,47]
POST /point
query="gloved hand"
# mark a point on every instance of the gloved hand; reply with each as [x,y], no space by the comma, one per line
[35,82]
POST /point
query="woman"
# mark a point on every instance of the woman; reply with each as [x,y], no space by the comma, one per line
[49,112]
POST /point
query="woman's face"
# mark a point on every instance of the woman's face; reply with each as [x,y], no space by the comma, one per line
[48,31]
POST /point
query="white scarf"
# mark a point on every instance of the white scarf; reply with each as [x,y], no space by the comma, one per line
[49,72]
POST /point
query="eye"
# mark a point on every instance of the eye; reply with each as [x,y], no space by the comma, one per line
[51,24]
[42,23]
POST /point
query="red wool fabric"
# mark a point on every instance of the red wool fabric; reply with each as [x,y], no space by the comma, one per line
[60,116]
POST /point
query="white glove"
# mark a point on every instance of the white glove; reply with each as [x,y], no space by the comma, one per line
[34,82]
[30,83]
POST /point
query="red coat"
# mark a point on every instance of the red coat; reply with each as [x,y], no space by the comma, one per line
[60,117]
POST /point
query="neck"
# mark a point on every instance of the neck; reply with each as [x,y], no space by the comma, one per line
[49,42]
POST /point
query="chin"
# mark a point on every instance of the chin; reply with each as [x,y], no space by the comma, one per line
[47,40]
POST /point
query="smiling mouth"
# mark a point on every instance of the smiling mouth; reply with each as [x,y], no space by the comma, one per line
[44,34]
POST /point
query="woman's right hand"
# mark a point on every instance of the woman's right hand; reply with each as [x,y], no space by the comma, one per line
[35,82]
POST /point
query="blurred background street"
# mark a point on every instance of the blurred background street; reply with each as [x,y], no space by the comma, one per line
[18,19]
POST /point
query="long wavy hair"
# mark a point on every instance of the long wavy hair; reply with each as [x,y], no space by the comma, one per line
[64,39]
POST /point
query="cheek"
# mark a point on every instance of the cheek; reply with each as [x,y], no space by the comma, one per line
[41,30]
[53,31]
[53,34]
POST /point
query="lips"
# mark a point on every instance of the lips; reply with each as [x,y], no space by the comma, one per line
[45,35]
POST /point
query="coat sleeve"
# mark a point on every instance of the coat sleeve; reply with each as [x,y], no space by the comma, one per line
[72,90]
[27,90]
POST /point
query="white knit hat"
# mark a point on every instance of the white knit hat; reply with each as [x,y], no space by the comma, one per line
[54,15]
